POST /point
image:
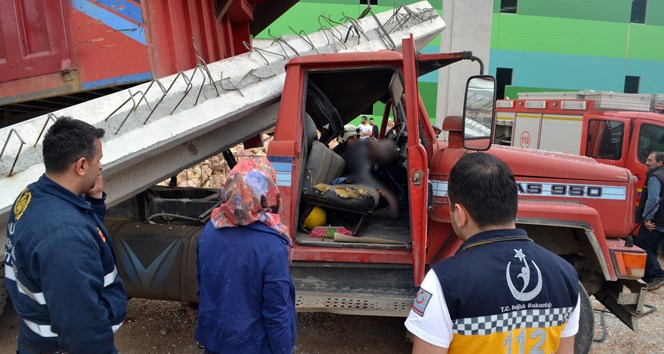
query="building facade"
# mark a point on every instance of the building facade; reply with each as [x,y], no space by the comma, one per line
[534,45]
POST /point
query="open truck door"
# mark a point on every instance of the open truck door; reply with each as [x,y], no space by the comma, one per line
[418,167]
[480,97]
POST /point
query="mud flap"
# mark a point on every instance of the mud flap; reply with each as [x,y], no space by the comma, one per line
[625,299]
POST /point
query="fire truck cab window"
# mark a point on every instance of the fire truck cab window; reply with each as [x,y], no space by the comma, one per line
[651,138]
[605,139]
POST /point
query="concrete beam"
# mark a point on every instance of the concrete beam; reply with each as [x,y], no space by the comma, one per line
[155,129]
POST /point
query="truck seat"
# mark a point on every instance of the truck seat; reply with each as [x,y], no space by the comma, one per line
[310,131]
[323,167]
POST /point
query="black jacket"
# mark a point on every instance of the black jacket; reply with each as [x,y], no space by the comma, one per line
[658,218]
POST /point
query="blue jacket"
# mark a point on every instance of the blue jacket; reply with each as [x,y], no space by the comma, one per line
[60,271]
[247,298]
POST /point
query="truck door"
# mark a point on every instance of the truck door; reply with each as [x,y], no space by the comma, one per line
[606,139]
[418,169]
[649,137]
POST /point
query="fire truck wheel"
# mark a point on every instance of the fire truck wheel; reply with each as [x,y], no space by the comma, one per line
[584,338]
[3,290]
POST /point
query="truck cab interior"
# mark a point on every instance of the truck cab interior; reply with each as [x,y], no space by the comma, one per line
[330,198]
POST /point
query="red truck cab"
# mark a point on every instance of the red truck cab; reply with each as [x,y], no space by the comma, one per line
[574,206]
[632,136]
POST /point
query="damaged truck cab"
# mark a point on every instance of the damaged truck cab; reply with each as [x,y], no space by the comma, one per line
[573,206]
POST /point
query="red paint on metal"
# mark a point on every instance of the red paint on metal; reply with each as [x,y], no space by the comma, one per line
[33,38]
[418,170]
[39,38]
[353,255]
[173,24]
[103,53]
[287,141]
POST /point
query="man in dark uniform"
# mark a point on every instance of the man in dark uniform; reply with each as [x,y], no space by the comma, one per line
[501,290]
[650,234]
[59,264]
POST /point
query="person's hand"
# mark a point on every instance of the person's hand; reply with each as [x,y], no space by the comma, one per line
[649,225]
[97,191]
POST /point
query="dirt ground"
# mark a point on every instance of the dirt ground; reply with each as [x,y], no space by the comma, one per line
[168,327]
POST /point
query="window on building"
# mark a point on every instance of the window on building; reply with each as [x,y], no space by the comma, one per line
[632,84]
[639,11]
[605,139]
[651,138]
[508,6]
[368,2]
[503,78]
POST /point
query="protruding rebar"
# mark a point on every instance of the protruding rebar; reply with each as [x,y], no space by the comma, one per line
[49,117]
[20,148]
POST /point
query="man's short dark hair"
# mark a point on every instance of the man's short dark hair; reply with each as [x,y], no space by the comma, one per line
[485,186]
[66,141]
[659,156]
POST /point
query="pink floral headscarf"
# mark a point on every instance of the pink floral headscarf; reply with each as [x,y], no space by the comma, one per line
[250,194]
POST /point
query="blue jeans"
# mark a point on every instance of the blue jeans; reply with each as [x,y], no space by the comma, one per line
[650,241]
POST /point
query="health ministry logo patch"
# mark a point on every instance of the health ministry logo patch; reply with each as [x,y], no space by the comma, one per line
[421,301]
[522,295]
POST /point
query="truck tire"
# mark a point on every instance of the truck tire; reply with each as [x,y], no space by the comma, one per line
[3,290]
[584,338]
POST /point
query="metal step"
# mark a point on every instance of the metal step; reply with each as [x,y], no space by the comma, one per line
[353,304]
[156,129]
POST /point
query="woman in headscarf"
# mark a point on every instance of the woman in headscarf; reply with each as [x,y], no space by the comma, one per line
[247,299]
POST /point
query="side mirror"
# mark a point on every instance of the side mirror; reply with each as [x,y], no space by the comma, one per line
[479,112]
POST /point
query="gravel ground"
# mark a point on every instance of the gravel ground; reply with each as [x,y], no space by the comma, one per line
[168,327]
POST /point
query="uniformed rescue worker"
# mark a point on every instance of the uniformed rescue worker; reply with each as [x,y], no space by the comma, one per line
[652,232]
[501,290]
[59,264]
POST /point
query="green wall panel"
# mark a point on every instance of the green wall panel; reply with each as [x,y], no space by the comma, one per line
[594,10]
[559,35]
[304,15]
[646,42]
[655,13]
[429,93]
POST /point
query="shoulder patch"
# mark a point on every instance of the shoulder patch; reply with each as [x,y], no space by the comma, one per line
[421,301]
[21,203]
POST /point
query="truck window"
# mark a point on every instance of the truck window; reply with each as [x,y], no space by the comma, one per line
[651,138]
[605,139]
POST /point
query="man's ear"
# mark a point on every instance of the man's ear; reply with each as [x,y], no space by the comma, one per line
[460,215]
[80,166]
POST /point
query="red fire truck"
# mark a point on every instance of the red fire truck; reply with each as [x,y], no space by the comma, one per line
[613,128]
